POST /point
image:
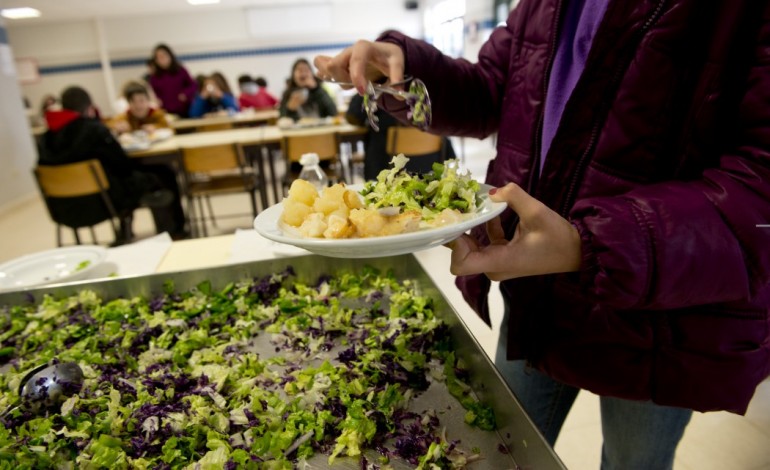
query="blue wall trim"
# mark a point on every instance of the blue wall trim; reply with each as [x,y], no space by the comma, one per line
[83,67]
[226,54]
[3,36]
[487,24]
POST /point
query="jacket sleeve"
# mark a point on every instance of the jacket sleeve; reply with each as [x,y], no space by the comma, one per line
[283,109]
[355,114]
[678,244]
[326,106]
[198,107]
[159,119]
[190,85]
[112,156]
[465,98]
[228,101]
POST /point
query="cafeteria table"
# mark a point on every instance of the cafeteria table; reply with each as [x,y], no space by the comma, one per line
[237,120]
[257,142]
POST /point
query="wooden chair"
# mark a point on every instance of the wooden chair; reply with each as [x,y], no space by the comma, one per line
[326,145]
[215,170]
[413,142]
[61,183]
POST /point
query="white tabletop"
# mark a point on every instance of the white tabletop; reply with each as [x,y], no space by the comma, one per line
[243,117]
[243,136]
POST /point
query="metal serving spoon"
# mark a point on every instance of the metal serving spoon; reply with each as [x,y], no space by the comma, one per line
[48,385]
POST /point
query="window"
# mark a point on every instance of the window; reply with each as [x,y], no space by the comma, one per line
[444,26]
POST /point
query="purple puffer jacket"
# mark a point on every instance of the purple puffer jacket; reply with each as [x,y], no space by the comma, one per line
[662,162]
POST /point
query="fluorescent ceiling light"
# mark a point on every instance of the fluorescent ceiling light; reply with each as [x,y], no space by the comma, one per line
[202,2]
[19,13]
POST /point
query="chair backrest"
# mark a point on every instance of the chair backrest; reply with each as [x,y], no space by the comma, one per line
[72,179]
[326,145]
[412,142]
[212,158]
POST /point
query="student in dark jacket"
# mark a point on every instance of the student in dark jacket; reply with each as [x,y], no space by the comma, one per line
[634,153]
[75,134]
[304,96]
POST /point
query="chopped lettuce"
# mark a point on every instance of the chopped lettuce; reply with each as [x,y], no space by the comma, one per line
[445,187]
[175,382]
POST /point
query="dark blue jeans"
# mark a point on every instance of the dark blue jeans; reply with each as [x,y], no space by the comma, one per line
[637,435]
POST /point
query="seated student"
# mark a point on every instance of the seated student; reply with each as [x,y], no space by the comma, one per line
[140,115]
[212,99]
[304,97]
[254,93]
[249,89]
[222,82]
[75,134]
[266,99]
[376,158]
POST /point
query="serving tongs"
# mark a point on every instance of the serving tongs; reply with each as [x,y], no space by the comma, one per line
[416,98]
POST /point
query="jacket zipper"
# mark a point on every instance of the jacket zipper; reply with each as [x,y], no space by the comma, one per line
[584,158]
[534,169]
[538,144]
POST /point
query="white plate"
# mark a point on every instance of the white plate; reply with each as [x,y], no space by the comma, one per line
[135,146]
[52,266]
[267,224]
[161,134]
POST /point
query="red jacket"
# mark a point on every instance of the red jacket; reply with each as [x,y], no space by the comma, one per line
[662,162]
[261,100]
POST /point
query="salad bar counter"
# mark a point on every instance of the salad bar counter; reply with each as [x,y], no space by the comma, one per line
[306,362]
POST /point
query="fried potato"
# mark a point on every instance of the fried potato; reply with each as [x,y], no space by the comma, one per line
[294,213]
[330,200]
[352,200]
[339,227]
[405,222]
[338,212]
[314,226]
[368,222]
[302,191]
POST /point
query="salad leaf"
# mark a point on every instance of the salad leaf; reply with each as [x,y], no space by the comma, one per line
[446,187]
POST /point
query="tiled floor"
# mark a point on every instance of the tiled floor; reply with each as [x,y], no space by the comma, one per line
[713,441]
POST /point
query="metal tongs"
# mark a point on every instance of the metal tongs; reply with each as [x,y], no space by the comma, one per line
[416,98]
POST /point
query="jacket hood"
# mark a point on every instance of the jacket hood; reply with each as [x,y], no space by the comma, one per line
[58,119]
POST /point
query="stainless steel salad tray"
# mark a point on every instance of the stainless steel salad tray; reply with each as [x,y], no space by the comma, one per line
[516,443]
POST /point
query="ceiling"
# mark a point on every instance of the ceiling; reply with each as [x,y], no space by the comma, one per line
[64,10]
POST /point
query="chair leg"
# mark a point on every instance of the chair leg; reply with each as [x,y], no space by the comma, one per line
[203,218]
[211,211]
[93,235]
[58,235]
[77,237]
[191,217]
[253,203]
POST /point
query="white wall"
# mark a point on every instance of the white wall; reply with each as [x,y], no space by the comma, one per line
[479,12]
[17,152]
[192,33]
